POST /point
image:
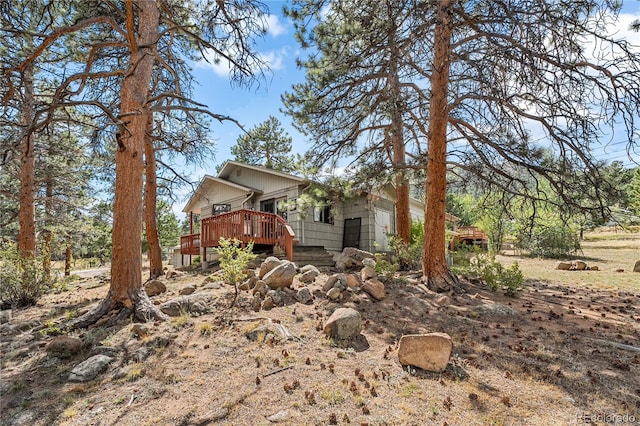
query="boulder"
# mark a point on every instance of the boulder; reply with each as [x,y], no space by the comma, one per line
[90,369]
[308,276]
[154,287]
[309,268]
[304,296]
[353,281]
[64,346]
[563,266]
[344,323]
[636,266]
[579,265]
[260,288]
[333,293]
[268,264]
[367,272]
[430,352]
[190,289]
[193,303]
[594,268]
[331,281]
[375,288]
[280,276]
[367,261]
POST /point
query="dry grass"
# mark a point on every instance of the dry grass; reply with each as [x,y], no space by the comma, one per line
[548,364]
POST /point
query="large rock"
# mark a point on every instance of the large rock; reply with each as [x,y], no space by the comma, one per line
[332,281]
[636,267]
[351,257]
[309,274]
[194,303]
[430,352]
[579,265]
[304,296]
[344,323]
[375,288]
[563,266]
[154,288]
[268,264]
[281,276]
[187,290]
[90,369]
[368,272]
[64,346]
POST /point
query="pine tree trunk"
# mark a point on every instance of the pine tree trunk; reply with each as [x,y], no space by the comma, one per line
[46,232]
[434,263]
[27,233]
[67,260]
[403,215]
[150,206]
[126,295]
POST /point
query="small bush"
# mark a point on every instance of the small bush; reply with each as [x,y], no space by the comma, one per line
[551,240]
[233,261]
[384,268]
[497,276]
[22,281]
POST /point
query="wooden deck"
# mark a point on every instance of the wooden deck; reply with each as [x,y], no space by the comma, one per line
[244,225]
[469,235]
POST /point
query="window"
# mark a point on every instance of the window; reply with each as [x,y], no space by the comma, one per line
[322,214]
[217,209]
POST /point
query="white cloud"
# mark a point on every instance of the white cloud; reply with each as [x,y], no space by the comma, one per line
[274,59]
[274,26]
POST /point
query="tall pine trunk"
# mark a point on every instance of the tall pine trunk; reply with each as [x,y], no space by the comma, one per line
[150,205]
[126,294]
[434,263]
[27,232]
[47,235]
[403,215]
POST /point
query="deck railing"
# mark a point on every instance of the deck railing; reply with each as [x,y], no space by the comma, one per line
[245,226]
[190,244]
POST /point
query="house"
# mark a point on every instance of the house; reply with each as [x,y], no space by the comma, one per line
[253,203]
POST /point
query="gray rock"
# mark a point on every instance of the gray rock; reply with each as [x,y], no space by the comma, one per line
[190,289]
[636,266]
[277,296]
[90,369]
[280,276]
[333,293]
[260,288]
[5,316]
[344,323]
[278,417]
[64,346]
[304,296]
[193,303]
[141,354]
[495,309]
[308,276]
[213,285]
[430,352]
[268,264]
[155,287]
[307,268]
[331,281]
[367,261]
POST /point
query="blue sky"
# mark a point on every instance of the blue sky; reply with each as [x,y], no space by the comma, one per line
[253,106]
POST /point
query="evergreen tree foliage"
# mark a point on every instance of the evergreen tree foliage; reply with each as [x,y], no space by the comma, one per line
[267,145]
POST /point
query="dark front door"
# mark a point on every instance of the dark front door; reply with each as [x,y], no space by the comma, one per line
[268,206]
[351,236]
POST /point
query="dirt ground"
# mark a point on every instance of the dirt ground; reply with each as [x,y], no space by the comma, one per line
[560,353]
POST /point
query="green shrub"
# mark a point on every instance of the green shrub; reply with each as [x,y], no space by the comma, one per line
[496,276]
[22,281]
[233,261]
[384,268]
[553,240]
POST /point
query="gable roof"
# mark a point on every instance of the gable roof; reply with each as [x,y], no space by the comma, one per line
[230,166]
[206,182]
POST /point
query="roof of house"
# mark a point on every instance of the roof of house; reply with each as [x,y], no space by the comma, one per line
[205,183]
[230,166]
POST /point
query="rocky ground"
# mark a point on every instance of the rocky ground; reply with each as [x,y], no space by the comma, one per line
[555,354]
